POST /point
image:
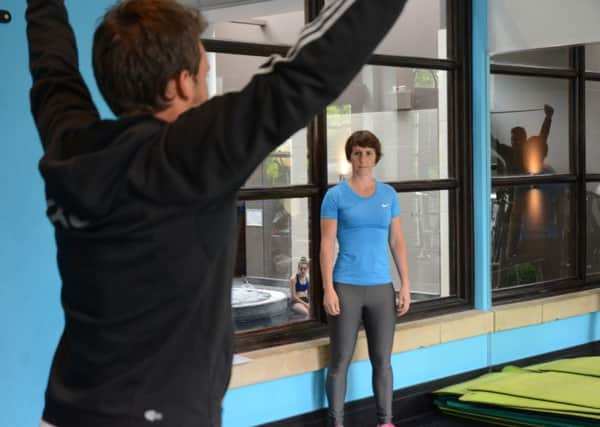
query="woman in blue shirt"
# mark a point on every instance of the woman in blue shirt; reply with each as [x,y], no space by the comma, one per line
[364,216]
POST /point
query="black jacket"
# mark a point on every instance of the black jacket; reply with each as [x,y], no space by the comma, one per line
[144,213]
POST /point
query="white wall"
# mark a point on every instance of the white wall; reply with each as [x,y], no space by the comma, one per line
[528,24]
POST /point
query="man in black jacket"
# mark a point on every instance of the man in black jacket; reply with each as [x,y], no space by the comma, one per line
[144,205]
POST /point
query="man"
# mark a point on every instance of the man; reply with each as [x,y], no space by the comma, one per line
[525,155]
[144,205]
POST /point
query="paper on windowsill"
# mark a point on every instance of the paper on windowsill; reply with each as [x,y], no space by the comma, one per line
[238,359]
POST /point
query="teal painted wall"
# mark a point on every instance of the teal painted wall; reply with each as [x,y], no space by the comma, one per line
[299,394]
[30,315]
[30,312]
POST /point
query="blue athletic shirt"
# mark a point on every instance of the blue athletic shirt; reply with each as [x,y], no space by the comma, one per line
[363,225]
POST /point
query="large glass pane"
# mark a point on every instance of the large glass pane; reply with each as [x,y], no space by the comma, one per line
[273,22]
[273,237]
[592,127]
[593,227]
[592,57]
[532,234]
[425,221]
[555,57]
[530,125]
[407,109]
[286,165]
[420,31]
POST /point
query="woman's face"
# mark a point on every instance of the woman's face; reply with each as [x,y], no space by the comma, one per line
[363,160]
[303,269]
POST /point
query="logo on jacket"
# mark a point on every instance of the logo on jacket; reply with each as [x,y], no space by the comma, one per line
[385,205]
[68,220]
[153,416]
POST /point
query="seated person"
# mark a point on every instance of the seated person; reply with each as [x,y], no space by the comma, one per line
[299,301]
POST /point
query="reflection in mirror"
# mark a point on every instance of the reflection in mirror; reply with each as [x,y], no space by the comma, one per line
[272,22]
[530,125]
[592,127]
[593,227]
[273,239]
[422,20]
[555,57]
[592,57]
[407,110]
[531,234]
[288,163]
[425,221]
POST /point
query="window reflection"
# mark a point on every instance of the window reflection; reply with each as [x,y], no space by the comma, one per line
[592,57]
[273,238]
[531,234]
[556,57]
[592,127]
[425,222]
[288,163]
[273,22]
[530,125]
[407,109]
[422,20]
[593,227]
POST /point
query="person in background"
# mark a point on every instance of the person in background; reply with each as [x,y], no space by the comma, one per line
[144,205]
[364,216]
[299,286]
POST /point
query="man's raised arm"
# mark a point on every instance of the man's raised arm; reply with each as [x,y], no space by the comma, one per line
[235,132]
[60,99]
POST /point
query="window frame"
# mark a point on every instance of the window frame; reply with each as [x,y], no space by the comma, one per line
[577,76]
[459,183]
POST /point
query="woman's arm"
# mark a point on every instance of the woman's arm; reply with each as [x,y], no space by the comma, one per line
[398,247]
[328,236]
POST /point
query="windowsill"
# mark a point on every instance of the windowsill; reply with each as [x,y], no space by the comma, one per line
[309,356]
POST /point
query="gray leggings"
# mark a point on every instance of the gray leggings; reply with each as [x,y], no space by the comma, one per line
[373,305]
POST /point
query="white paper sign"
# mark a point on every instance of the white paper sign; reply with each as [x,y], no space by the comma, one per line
[254,217]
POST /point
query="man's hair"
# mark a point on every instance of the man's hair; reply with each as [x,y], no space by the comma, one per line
[518,133]
[139,46]
[365,139]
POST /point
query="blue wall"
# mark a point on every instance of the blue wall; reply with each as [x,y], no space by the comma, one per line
[29,289]
[30,315]
[299,394]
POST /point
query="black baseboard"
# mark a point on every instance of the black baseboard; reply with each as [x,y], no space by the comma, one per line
[415,402]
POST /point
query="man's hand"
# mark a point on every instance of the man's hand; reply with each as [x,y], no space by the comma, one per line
[403,301]
[331,303]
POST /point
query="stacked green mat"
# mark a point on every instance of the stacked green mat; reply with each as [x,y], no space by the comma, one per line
[560,393]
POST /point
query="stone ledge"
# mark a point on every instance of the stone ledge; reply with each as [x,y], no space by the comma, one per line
[309,356]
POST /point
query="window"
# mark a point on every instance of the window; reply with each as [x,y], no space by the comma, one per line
[558,57]
[545,210]
[533,234]
[592,158]
[592,127]
[413,97]
[592,57]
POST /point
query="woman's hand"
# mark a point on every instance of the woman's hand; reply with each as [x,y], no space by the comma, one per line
[331,303]
[404,301]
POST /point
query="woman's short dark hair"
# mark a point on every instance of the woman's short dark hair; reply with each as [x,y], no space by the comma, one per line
[139,46]
[363,138]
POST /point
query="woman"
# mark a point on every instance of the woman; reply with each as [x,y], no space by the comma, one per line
[363,214]
[299,285]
